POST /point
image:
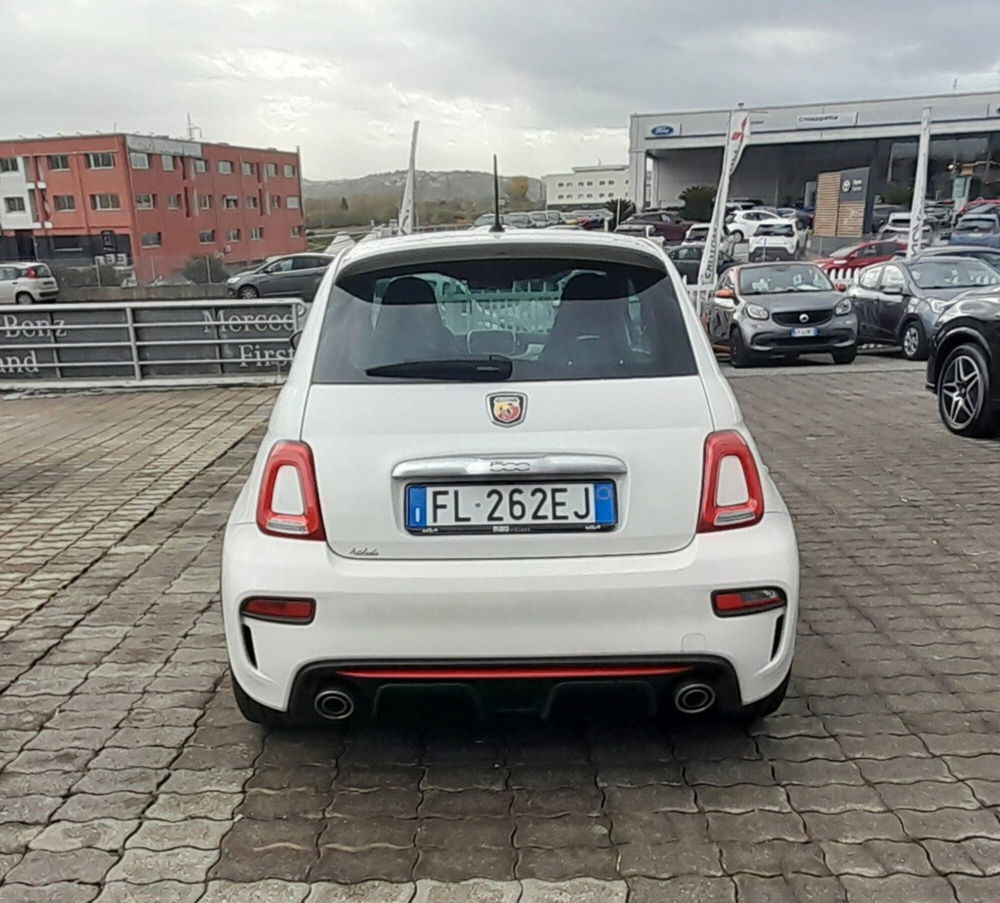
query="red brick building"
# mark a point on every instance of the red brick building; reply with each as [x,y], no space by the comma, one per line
[148,201]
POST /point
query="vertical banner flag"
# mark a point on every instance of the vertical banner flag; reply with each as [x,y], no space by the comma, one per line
[406,212]
[917,218]
[736,140]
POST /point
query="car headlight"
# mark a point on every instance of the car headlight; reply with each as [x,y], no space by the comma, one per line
[939,305]
[756,312]
[843,307]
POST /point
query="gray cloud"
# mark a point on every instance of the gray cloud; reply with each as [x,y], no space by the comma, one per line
[545,84]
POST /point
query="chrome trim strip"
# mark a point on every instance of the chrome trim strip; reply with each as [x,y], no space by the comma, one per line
[508,465]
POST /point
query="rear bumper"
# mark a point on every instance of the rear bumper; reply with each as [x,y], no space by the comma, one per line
[639,608]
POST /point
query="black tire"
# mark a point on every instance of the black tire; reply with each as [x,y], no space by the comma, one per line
[914,341]
[23,298]
[737,236]
[768,705]
[964,393]
[739,355]
[248,291]
[846,356]
[262,714]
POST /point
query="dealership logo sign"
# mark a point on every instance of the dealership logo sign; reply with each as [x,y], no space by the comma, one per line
[665,130]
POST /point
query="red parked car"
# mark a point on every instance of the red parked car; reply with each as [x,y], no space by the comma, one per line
[667,224]
[857,257]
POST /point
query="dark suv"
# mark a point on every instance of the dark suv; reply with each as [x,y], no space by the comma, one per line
[294,276]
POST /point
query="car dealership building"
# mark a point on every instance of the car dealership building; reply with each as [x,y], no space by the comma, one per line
[790,145]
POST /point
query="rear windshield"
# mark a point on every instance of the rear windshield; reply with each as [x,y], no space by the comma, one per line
[775,229]
[976,224]
[542,319]
[41,270]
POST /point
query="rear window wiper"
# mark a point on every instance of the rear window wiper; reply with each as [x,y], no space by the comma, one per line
[492,367]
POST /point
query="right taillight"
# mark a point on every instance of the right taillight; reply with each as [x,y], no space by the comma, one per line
[731,493]
[288,504]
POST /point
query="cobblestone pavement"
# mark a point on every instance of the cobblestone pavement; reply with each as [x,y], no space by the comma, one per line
[126,773]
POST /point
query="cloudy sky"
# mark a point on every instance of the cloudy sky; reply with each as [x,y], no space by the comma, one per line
[545,83]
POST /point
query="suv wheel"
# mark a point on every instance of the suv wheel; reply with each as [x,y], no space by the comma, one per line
[248,291]
[914,341]
[846,356]
[23,298]
[737,236]
[963,392]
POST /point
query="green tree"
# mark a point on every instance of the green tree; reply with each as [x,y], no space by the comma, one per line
[517,189]
[698,201]
[621,209]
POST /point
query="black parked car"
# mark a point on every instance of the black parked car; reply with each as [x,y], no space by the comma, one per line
[964,365]
[899,302]
[687,259]
[294,276]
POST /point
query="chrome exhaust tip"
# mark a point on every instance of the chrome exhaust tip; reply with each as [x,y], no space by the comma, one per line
[693,697]
[334,704]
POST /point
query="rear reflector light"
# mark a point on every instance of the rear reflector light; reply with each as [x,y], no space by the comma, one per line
[731,493]
[288,504]
[288,611]
[727,603]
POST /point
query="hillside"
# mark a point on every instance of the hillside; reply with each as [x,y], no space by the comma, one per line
[464,185]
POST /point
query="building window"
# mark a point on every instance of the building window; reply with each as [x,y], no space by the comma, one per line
[105,202]
[233,235]
[199,165]
[579,184]
[14,205]
[252,201]
[272,169]
[275,200]
[65,202]
[207,237]
[58,162]
[173,201]
[66,243]
[151,239]
[247,169]
[601,182]
[225,167]
[292,202]
[8,164]
[167,162]
[296,231]
[289,170]
[205,201]
[139,161]
[145,201]
[102,160]
[256,233]
[590,184]
[230,201]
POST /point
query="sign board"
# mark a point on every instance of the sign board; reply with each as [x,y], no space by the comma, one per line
[843,204]
[179,339]
[664,130]
[108,242]
[826,120]
[854,184]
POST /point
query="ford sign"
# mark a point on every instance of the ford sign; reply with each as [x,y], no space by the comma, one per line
[664,131]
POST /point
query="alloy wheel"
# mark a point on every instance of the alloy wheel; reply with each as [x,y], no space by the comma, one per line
[911,341]
[961,391]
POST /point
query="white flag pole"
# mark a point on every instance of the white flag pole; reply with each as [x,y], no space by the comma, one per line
[407,218]
[917,218]
[736,137]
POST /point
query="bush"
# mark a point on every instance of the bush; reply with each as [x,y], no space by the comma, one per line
[698,202]
[204,268]
[897,194]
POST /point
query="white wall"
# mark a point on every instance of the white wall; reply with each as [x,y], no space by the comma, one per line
[583,186]
[15,184]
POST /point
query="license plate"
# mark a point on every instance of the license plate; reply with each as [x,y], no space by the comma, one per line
[805,332]
[511,507]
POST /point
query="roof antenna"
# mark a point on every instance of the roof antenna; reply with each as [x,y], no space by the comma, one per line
[497,225]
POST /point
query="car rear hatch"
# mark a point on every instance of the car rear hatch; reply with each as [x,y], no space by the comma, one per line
[593,466]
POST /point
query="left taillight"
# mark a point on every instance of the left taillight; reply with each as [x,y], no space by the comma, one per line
[285,611]
[731,491]
[288,502]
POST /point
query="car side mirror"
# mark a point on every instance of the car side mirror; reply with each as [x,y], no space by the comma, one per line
[725,293]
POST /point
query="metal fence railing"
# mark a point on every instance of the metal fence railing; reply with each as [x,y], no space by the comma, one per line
[166,342]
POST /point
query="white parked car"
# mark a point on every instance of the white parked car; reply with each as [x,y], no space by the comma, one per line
[698,232]
[27,282]
[743,223]
[898,226]
[507,458]
[782,240]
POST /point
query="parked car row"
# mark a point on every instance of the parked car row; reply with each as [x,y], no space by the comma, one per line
[27,282]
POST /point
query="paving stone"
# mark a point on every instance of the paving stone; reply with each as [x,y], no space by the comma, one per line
[559,801]
[564,831]
[928,796]
[950,824]
[257,892]
[161,892]
[763,826]
[464,863]
[29,809]
[41,867]
[777,857]
[975,856]
[182,806]
[974,890]
[15,837]
[901,888]
[743,798]
[667,860]
[682,890]
[567,862]
[384,892]
[835,798]
[86,807]
[377,864]
[450,833]
[56,892]
[200,833]
[185,864]
[651,798]
[853,827]
[576,890]
[101,834]
[877,858]
[789,889]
